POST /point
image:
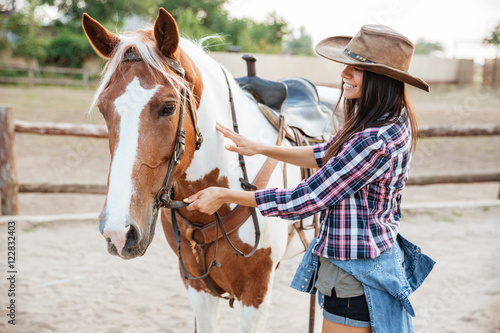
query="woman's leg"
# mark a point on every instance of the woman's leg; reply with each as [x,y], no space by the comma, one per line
[329,327]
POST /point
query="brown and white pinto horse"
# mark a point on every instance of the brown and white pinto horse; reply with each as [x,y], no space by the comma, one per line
[140,99]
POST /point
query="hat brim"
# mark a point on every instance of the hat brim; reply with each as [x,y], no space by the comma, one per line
[332,48]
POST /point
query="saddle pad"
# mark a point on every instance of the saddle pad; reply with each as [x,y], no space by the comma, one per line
[302,108]
[273,117]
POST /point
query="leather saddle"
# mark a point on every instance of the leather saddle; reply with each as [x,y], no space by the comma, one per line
[296,99]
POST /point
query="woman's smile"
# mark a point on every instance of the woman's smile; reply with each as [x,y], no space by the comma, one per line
[353,81]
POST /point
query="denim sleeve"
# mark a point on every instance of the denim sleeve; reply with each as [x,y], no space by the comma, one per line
[306,274]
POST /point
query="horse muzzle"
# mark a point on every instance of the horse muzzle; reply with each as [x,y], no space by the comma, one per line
[125,239]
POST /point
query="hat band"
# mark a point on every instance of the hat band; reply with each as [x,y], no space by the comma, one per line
[356,56]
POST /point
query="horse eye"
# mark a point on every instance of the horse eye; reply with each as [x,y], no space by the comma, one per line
[167,109]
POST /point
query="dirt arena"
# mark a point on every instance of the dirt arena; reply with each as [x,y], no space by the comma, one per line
[67,282]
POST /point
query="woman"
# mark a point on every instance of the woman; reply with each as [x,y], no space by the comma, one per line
[363,269]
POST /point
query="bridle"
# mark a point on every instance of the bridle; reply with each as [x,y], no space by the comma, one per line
[165,196]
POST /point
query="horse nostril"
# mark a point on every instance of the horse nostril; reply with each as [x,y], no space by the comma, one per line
[132,238]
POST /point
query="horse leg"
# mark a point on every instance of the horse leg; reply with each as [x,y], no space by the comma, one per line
[206,310]
[253,319]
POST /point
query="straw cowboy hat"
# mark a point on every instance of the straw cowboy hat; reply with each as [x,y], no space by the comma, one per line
[375,48]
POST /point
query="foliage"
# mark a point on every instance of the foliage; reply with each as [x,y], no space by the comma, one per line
[196,19]
[108,12]
[63,42]
[200,18]
[3,32]
[300,45]
[423,46]
[494,38]
[258,37]
[206,12]
[31,42]
[68,49]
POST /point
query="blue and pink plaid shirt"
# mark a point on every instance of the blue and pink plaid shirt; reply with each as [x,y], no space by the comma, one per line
[357,193]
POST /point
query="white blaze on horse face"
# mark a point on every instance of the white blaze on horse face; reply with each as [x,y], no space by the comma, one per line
[121,186]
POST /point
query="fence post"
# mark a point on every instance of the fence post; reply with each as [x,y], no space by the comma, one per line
[85,77]
[31,76]
[8,170]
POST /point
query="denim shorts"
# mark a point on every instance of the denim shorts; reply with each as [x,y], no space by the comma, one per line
[352,311]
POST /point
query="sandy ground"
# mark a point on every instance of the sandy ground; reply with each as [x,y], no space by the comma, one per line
[67,282]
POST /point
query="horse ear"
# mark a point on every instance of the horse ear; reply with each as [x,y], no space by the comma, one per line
[102,40]
[166,33]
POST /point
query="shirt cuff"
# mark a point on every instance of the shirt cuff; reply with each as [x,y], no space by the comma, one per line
[319,154]
[266,202]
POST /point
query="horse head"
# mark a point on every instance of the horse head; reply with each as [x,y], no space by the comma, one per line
[147,85]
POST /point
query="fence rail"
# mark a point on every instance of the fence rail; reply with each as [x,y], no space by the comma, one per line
[464,130]
[84,130]
[99,131]
[10,187]
[33,72]
[413,180]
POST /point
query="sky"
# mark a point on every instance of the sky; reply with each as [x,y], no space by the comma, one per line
[458,25]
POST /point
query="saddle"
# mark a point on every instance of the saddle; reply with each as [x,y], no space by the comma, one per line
[296,99]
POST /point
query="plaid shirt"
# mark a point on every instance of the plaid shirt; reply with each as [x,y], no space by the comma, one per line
[357,193]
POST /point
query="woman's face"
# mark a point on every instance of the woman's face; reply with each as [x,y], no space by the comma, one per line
[352,78]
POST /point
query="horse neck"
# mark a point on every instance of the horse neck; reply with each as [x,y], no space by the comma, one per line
[213,165]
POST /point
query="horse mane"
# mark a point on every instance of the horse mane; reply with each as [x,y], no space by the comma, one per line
[143,42]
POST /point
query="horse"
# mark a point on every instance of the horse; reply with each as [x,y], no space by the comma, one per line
[161,96]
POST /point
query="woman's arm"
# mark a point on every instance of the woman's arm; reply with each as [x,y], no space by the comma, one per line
[209,200]
[301,156]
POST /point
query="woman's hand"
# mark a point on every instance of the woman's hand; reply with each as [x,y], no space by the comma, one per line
[301,156]
[244,146]
[207,201]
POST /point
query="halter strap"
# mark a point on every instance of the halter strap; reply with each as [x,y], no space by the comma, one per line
[131,56]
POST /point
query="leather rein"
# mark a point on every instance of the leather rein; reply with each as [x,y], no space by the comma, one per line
[201,236]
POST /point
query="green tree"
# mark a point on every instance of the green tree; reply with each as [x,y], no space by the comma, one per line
[200,18]
[494,39]
[108,12]
[263,37]
[63,42]
[195,18]
[301,45]
[31,43]
[423,46]
[206,11]
[68,49]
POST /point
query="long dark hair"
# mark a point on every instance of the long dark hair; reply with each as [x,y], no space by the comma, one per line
[381,103]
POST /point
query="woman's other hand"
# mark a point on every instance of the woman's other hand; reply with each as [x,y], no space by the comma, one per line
[244,145]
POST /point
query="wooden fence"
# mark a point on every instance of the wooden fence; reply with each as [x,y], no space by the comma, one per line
[34,75]
[10,186]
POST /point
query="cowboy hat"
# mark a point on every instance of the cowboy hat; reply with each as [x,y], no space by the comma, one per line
[375,48]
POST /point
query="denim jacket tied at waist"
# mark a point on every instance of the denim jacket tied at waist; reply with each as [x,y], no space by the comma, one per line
[387,280]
